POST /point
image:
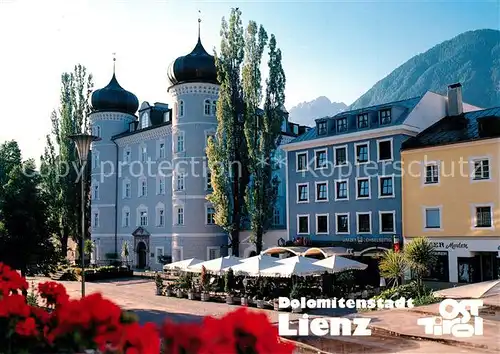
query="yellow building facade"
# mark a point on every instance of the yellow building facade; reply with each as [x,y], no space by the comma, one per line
[451,194]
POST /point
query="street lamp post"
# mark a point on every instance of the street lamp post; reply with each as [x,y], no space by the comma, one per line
[82,142]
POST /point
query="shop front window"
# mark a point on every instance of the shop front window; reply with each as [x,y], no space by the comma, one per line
[440,271]
[466,270]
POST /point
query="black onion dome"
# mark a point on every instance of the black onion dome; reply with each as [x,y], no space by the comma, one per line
[114,98]
[197,66]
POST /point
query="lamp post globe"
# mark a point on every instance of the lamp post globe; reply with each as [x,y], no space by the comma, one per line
[82,143]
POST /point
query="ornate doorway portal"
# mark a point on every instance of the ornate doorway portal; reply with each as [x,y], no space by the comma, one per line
[141,247]
[141,255]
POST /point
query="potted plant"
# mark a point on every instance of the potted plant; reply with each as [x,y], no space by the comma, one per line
[205,295]
[169,291]
[295,294]
[159,284]
[228,288]
[261,288]
[191,291]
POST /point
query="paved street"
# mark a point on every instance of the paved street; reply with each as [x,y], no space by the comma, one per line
[138,295]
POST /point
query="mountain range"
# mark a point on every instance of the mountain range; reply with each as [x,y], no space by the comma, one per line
[471,58]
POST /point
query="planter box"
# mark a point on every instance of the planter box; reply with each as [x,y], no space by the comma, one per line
[179,293]
[205,297]
[260,304]
[169,292]
[191,296]
[159,291]
[229,300]
[244,301]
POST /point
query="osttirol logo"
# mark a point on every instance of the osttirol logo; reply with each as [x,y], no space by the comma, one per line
[455,319]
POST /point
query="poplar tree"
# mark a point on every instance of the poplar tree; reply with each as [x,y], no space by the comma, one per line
[263,131]
[59,162]
[227,153]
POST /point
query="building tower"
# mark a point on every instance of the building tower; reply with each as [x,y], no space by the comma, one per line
[114,109]
[194,90]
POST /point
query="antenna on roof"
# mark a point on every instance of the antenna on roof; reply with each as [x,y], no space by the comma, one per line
[199,24]
[114,62]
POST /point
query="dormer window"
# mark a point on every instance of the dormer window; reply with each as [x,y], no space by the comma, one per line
[321,128]
[341,124]
[296,129]
[207,107]
[144,122]
[363,120]
[385,116]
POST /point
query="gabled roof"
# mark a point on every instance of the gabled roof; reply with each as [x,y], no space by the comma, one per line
[451,130]
[408,104]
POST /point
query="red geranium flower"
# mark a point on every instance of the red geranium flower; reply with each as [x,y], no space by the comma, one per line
[10,280]
[53,293]
[14,305]
[27,327]
[182,338]
[141,339]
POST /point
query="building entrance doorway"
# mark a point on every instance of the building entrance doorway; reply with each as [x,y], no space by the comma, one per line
[141,255]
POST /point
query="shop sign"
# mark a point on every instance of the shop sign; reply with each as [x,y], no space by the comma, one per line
[363,239]
[450,245]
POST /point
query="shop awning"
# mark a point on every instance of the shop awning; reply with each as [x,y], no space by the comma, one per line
[308,251]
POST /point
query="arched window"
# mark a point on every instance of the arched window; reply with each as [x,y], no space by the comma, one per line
[214,108]
[206,107]
[142,216]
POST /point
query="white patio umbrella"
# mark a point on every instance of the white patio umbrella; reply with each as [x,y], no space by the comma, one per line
[182,265]
[336,264]
[254,265]
[215,265]
[471,291]
[300,268]
[297,259]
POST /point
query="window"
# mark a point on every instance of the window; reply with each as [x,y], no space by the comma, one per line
[276,216]
[431,174]
[321,128]
[342,221]
[97,131]
[208,178]
[483,216]
[362,154]
[143,218]
[127,155]
[341,190]
[320,159]
[301,161]
[481,169]
[144,121]
[362,188]
[363,120]
[386,187]
[126,188]
[95,159]
[341,125]
[161,153]
[160,216]
[387,222]
[180,216]
[95,219]
[207,107]
[322,224]
[213,253]
[208,135]
[143,187]
[126,218]
[385,150]
[179,182]
[364,223]
[158,254]
[179,147]
[432,218]
[161,185]
[214,108]
[321,191]
[181,109]
[303,224]
[210,215]
[143,153]
[95,191]
[385,116]
[340,155]
[303,193]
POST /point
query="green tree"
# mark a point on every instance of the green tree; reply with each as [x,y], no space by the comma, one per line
[25,236]
[393,265]
[421,257]
[227,153]
[262,130]
[59,163]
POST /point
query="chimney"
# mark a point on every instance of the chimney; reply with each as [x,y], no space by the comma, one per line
[455,105]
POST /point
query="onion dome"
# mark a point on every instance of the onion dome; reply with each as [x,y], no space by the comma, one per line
[113,98]
[197,66]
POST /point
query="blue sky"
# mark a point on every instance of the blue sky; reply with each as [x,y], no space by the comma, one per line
[331,48]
